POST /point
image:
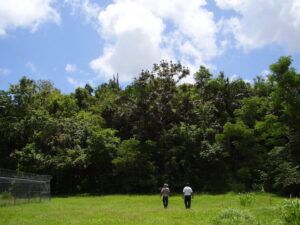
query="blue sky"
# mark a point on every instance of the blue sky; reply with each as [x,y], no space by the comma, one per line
[73,42]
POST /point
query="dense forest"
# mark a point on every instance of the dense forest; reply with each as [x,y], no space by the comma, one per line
[219,135]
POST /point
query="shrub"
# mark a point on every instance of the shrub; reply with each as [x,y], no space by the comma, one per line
[290,212]
[237,187]
[246,199]
[234,217]
[6,196]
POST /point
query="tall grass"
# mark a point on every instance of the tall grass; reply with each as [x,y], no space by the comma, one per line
[290,212]
[234,217]
[246,199]
[6,198]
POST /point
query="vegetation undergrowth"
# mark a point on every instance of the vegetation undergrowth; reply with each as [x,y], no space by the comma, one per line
[234,217]
[290,212]
[246,199]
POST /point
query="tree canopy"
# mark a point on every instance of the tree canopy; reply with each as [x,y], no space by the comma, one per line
[219,135]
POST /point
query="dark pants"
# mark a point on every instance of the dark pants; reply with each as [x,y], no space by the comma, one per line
[187,201]
[165,201]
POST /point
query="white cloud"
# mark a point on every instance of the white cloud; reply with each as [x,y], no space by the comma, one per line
[249,81]
[234,77]
[89,9]
[31,66]
[77,83]
[138,33]
[26,14]
[264,22]
[265,73]
[131,53]
[70,68]
[4,71]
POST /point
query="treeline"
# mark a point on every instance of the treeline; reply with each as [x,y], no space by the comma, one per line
[219,135]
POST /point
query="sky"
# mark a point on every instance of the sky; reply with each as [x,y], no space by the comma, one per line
[74,42]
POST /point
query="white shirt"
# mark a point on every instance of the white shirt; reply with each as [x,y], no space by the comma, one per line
[187,191]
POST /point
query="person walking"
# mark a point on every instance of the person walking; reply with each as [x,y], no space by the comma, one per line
[164,193]
[187,196]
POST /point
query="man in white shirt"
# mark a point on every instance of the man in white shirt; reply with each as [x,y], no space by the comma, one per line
[187,195]
[164,193]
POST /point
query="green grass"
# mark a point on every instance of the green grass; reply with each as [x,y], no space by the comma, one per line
[136,210]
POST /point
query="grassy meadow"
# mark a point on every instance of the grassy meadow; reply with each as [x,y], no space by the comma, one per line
[139,209]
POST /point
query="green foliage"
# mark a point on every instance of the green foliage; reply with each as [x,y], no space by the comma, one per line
[288,175]
[283,174]
[281,67]
[252,110]
[290,212]
[133,169]
[202,76]
[6,195]
[218,134]
[246,199]
[234,217]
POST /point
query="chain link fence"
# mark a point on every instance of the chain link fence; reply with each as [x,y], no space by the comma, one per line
[18,187]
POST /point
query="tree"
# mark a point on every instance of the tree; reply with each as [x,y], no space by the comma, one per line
[133,169]
[220,134]
[156,109]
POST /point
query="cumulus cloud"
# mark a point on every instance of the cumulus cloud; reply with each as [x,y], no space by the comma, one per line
[138,33]
[264,22]
[4,71]
[75,82]
[249,81]
[31,66]
[265,73]
[79,83]
[70,68]
[26,14]
[234,77]
[89,9]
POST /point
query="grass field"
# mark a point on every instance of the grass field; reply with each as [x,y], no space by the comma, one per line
[136,210]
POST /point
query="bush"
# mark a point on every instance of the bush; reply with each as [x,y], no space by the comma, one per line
[6,196]
[246,199]
[290,212]
[237,187]
[234,217]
